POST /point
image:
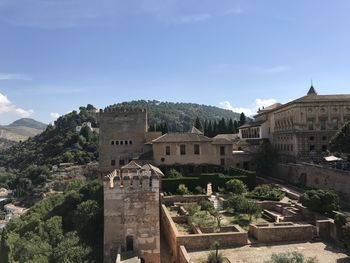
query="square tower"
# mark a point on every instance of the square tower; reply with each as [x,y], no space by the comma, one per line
[122,137]
[131,213]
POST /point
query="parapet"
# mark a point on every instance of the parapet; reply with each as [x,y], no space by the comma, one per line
[122,110]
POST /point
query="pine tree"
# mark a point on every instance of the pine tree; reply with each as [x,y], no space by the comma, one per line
[242,119]
[230,127]
[235,125]
[198,124]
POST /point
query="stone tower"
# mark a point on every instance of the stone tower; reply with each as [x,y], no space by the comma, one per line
[131,191]
[131,213]
[122,137]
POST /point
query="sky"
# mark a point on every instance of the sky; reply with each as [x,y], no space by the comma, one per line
[57,55]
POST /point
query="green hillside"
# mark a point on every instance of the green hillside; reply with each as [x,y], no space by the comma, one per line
[179,116]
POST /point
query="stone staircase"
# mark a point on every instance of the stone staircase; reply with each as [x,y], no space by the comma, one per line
[217,203]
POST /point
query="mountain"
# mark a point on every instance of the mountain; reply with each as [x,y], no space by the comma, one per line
[30,123]
[22,129]
[178,116]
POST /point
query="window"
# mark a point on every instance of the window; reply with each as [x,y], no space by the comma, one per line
[323,124]
[130,142]
[291,147]
[222,161]
[121,142]
[310,125]
[335,124]
[324,138]
[167,150]
[112,162]
[222,150]
[196,149]
[121,162]
[112,142]
[312,138]
[324,148]
[116,142]
[126,142]
[312,148]
[182,149]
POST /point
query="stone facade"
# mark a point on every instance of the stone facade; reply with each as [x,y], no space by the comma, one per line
[131,213]
[302,128]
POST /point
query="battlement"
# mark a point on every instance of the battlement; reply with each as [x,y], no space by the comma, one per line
[122,110]
[140,179]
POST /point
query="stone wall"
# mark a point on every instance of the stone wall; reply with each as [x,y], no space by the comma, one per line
[317,177]
[170,200]
[281,232]
[170,232]
[183,255]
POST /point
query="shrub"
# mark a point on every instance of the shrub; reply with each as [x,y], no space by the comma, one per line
[173,173]
[199,190]
[213,258]
[266,192]
[206,205]
[341,219]
[322,201]
[182,189]
[236,186]
[288,257]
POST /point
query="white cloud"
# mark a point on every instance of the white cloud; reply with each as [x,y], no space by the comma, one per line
[8,76]
[6,106]
[258,103]
[55,115]
[193,18]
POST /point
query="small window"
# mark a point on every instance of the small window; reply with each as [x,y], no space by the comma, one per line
[222,150]
[182,149]
[130,142]
[323,124]
[112,142]
[196,149]
[312,148]
[116,142]
[167,150]
[126,142]
[121,142]
[121,162]
[312,138]
[310,124]
[112,162]
[222,161]
[324,148]
[291,147]
[324,138]
[335,124]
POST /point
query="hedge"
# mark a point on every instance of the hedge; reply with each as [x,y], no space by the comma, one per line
[216,179]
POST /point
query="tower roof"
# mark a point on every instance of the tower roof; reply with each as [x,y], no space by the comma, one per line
[312,91]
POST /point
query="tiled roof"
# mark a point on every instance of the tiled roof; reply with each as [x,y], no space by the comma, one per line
[182,137]
[225,138]
[252,124]
[131,165]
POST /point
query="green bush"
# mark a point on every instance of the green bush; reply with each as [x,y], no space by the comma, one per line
[266,192]
[341,219]
[288,257]
[236,186]
[182,190]
[322,201]
[173,173]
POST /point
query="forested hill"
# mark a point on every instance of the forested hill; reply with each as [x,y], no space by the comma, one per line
[179,116]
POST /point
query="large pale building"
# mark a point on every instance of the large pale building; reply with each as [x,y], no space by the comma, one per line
[301,129]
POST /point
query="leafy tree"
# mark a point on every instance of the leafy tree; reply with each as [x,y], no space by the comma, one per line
[206,205]
[322,201]
[340,143]
[290,257]
[214,255]
[236,186]
[266,159]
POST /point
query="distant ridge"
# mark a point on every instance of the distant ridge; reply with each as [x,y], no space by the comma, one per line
[21,129]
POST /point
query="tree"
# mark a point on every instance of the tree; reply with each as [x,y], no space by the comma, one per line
[266,192]
[322,201]
[340,143]
[266,159]
[242,119]
[214,255]
[289,257]
[236,187]
[206,205]
[198,124]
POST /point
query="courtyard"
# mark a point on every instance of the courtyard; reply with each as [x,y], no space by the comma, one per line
[258,253]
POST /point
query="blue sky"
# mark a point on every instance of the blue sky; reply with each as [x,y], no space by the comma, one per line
[56,55]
